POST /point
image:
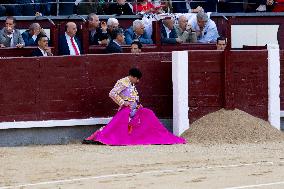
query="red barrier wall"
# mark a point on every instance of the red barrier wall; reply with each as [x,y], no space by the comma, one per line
[48,88]
[250,80]
[205,82]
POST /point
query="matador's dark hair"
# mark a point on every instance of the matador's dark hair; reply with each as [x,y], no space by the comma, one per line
[135,72]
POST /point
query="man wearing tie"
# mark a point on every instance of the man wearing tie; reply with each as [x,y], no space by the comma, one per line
[69,44]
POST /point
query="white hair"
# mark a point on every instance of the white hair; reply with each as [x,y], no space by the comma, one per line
[137,23]
[112,21]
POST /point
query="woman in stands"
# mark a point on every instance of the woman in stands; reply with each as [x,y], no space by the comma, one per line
[133,124]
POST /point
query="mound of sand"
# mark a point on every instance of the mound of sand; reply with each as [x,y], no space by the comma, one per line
[225,126]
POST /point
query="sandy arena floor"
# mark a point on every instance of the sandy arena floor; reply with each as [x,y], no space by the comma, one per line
[224,166]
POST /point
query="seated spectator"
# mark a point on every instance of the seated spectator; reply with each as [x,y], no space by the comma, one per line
[205,28]
[112,23]
[117,39]
[98,35]
[184,31]
[144,6]
[43,49]
[120,8]
[136,47]
[221,43]
[69,44]
[9,36]
[137,33]
[30,35]
[91,6]
[168,32]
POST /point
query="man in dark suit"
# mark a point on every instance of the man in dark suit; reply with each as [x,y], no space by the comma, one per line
[120,8]
[69,44]
[117,39]
[168,32]
[98,35]
[30,35]
[43,49]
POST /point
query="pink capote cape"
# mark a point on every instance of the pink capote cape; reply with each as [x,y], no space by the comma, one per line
[143,129]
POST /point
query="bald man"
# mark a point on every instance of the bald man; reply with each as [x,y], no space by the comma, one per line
[30,35]
[69,44]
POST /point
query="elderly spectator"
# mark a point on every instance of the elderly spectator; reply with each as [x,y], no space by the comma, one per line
[98,35]
[117,39]
[69,44]
[30,35]
[121,7]
[43,49]
[137,33]
[184,30]
[206,30]
[168,32]
[112,23]
[9,36]
[91,6]
[136,47]
[221,43]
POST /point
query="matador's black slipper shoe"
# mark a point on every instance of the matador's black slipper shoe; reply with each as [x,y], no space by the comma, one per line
[90,142]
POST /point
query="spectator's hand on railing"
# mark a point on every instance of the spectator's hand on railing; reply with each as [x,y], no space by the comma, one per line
[2,46]
[103,42]
[19,45]
[38,14]
[178,40]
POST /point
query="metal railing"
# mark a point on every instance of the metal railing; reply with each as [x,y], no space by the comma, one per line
[56,6]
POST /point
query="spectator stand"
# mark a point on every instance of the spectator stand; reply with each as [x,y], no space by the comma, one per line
[23,23]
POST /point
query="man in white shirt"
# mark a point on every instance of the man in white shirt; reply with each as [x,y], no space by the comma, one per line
[9,36]
[69,44]
[205,28]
